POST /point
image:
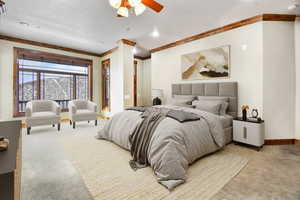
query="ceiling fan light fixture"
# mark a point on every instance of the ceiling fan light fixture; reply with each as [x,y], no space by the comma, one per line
[134,3]
[115,3]
[139,9]
[123,11]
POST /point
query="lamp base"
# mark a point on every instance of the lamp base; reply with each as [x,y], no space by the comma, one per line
[156,101]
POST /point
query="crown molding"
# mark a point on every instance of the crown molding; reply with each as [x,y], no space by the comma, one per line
[252,20]
[128,42]
[108,52]
[46,45]
[278,17]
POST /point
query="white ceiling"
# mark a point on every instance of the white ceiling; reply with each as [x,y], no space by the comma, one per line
[92,25]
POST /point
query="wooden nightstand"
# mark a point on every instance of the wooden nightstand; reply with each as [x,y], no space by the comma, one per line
[249,132]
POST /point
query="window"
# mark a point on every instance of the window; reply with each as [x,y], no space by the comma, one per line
[40,75]
[106,85]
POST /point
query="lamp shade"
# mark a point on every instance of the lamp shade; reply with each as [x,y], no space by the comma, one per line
[139,9]
[123,11]
[134,3]
[115,3]
[157,93]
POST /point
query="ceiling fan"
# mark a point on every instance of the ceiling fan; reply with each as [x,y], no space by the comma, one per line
[139,6]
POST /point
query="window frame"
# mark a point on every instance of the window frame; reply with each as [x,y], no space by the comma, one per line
[106,106]
[46,57]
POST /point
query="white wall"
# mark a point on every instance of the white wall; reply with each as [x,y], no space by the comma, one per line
[279,79]
[265,71]
[121,78]
[246,66]
[128,72]
[6,75]
[297,58]
[139,81]
[146,94]
[116,83]
[144,82]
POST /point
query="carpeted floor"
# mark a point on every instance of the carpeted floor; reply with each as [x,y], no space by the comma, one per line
[49,174]
[107,173]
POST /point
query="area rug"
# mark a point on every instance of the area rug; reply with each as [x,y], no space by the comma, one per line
[105,170]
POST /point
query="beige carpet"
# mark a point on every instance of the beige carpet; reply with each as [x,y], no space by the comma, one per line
[106,172]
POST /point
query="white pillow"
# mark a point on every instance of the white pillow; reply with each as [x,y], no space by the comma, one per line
[181,102]
[224,107]
[208,106]
[224,100]
[187,98]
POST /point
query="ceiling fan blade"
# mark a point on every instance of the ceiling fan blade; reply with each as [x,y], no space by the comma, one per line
[153,5]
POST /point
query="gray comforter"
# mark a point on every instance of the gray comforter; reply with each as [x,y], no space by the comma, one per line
[174,145]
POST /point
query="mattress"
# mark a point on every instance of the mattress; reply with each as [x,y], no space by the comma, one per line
[228,134]
[226,121]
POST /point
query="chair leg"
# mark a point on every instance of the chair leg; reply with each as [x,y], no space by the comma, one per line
[28,130]
[53,125]
[96,122]
[58,126]
[88,121]
[74,125]
[70,122]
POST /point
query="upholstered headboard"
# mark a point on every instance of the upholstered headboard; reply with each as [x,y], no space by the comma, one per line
[222,89]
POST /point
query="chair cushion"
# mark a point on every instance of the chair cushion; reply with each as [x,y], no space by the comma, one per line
[84,115]
[84,112]
[42,118]
[43,115]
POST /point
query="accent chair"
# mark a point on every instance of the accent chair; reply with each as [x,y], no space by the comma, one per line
[82,110]
[42,112]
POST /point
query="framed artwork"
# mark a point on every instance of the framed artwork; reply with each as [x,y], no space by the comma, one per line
[206,64]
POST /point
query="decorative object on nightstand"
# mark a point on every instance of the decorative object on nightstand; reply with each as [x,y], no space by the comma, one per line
[244,112]
[157,94]
[254,113]
[3,144]
[251,132]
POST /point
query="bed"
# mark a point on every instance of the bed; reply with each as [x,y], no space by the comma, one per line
[169,145]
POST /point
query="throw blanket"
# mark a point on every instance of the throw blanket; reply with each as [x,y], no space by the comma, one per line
[142,135]
[173,145]
[178,115]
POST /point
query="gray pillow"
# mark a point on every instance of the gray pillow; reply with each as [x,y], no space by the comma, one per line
[224,100]
[181,102]
[208,106]
[188,98]
[224,107]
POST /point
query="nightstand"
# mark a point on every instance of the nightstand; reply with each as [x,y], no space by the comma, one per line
[249,132]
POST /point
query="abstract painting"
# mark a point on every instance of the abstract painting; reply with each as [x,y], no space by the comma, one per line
[206,64]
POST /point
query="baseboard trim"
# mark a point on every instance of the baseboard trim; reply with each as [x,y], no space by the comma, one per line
[267,142]
[280,142]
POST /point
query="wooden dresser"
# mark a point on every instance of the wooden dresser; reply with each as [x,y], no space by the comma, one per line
[11,161]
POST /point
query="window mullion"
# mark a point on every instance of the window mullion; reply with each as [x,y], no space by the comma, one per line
[39,85]
[74,87]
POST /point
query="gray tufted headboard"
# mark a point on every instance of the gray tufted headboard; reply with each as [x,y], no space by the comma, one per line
[222,89]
